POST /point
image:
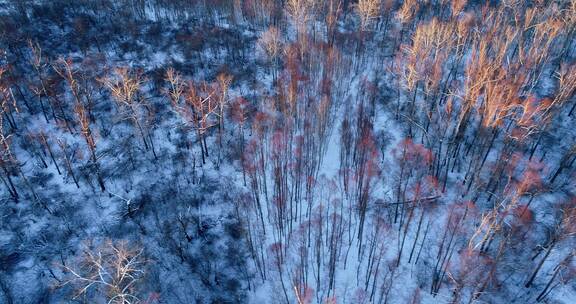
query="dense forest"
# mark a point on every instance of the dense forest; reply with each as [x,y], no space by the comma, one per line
[287,151]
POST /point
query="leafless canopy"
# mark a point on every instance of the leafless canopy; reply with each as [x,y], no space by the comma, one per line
[115,269]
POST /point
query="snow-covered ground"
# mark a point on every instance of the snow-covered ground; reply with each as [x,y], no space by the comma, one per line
[288,207]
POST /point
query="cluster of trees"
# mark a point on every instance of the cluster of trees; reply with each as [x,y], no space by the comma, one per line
[375,144]
[477,89]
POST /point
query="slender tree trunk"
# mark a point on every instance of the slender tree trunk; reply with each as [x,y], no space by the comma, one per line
[539,266]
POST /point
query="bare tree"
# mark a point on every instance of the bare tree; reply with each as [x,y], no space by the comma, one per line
[7,161]
[224,81]
[271,43]
[115,268]
[368,11]
[125,87]
[38,63]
